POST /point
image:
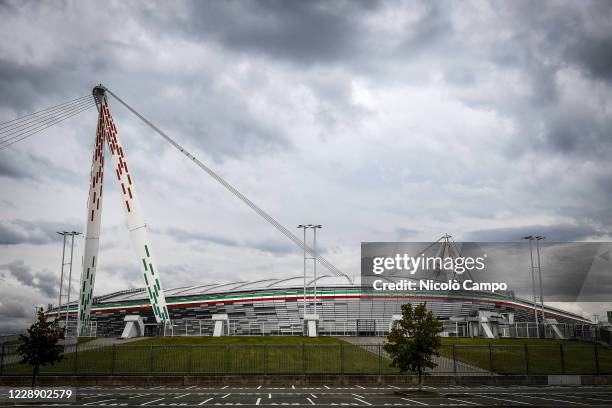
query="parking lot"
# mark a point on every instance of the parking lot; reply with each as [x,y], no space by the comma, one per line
[323,395]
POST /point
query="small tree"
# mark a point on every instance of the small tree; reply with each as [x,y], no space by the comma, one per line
[414,340]
[39,346]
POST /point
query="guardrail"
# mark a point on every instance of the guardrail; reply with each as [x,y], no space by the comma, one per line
[277,359]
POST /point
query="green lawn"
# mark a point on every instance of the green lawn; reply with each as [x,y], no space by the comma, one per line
[508,356]
[210,355]
[297,355]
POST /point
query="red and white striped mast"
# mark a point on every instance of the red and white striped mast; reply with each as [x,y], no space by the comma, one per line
[107,132]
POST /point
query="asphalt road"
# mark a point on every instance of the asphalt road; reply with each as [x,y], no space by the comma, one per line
[355,395]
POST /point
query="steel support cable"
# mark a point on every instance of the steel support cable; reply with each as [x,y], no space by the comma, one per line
[235,192]
[58,106]
[7,143]
[52,120]
[15,127]
[41,121]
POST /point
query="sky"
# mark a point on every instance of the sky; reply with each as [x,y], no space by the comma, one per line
[382,121]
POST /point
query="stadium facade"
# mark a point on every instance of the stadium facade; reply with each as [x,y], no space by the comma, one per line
[276,307]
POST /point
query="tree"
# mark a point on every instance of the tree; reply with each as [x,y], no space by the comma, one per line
[39,346]
[414,340]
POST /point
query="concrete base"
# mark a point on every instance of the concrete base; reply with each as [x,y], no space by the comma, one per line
[312,324]
[134,327]
[221,324]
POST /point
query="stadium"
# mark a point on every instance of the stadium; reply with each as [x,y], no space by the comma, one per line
[331,304]
[276,307]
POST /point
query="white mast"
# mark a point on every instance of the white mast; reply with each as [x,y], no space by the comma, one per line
[131,206]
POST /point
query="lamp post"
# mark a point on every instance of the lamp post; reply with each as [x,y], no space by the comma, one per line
[314,260]
[535,304]
[538,238]
[314,227]
[72,234]
[304,298]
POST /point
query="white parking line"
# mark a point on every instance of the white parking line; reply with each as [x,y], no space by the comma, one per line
[416,402]
[259,388]
[225,387]
[269,396]
[551,399]
[204,402]
[465,402]
[393,386]
[181,396]
[359,386]
[99,402]
[309,400]
[189,388]
[313,396]
[258,401]
[150,402]
[360,400]
[226,395]
[502,399]
[591,398]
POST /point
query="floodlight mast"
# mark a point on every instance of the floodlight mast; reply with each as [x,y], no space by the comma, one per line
[535,304]
[107,132]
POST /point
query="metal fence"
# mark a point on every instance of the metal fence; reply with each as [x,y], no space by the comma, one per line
[526,330]
[300,359]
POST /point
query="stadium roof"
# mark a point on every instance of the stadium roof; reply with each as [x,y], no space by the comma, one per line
[213,288]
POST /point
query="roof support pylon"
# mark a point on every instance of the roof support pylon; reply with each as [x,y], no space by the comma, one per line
[107,131]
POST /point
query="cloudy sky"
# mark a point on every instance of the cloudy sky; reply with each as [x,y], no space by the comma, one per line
[383,121]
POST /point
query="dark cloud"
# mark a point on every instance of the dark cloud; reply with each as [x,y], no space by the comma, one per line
[44,281]
[406,233]
[29,166]
[13,310]
[181,235]
[301,32]
[274,247]
[555,233]
[15,232]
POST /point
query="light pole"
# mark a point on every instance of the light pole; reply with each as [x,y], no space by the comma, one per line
[302,226]
[538,238]
[314,260]
[314,227]
[535,304]
[64,263]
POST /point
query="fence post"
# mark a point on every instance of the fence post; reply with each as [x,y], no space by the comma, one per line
[526,359]
[454,361]
[341,358]
[265,359]
[303,358]
[562,358]
[227,359]
[596,359]
[113,360]
[2,359]
[490,360]
[76,354]
[380,359]
[151,358]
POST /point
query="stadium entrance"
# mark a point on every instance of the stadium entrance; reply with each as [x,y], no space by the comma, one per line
[366,327]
